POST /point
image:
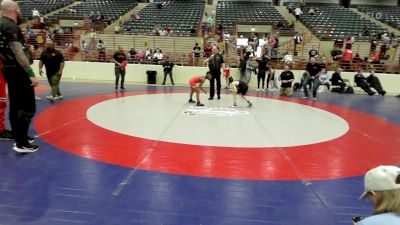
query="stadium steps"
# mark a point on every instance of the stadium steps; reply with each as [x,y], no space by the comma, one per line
[309,40]
[111,28]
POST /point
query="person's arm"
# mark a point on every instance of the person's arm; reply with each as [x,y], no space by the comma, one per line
[23,61]
[233,87]
[41,68]
[202,80]
[61,68]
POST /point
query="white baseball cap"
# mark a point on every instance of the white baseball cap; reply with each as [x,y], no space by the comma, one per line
[381,178]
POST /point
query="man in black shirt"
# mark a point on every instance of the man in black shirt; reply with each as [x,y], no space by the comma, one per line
[53,60]
[286,78]
[19,76]
[336,54]
[313,69]
[361,81]
[119,59]
[215,63]
[337,80]
[168,65]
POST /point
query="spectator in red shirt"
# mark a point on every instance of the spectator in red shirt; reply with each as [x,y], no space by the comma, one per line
[347,58]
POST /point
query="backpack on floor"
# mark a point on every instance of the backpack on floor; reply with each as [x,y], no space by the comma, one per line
[296,86]
[349,90]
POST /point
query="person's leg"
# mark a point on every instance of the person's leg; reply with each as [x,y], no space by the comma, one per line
[3,105]
[376,84]
[116,70]
[212,87]
[263,79]
[234,98]
[316,83]
[304,84]
[258,81]
[282,91]
[22,104]
[218,78]
[172,79]
[50,81]
[58,84]
[165,77]
[268,80]
[191,95]
[122,72]
[53,80]
[288,92]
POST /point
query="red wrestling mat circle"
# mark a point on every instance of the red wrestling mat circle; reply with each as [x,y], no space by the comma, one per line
[371,141]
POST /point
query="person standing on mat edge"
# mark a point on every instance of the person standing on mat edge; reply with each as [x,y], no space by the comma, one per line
[19,76]
[238,87]
[53,60]
[196,85]
[313,70]
[215,64]
[119,59]
[168,66]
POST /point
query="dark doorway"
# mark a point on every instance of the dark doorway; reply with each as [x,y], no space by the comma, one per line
[345,3]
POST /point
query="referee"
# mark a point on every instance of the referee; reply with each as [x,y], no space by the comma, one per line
[215,63]
[19,76]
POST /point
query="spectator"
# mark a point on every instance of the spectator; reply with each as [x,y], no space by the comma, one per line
[347,58]
[249,71]
[337,80]
[287,79]
[149,53]
[394,43]
[162,32]
[132,54]
[192,32]
[207,49]
[313,70]
[375,83]
[313,53]
[262,69]
[158,54]
[168,66]
[35,13]
[374,43]
[101,49]
[298,12]
[338,42]
[382,188]
[336,54]
[287,58]
[311,11]
[271,46]
[196,54]
[298,40]
[119,60]
[365,31]
[361,82]
[385,42]
[324,78]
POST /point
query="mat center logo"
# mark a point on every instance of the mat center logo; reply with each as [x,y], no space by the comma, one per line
[214,111]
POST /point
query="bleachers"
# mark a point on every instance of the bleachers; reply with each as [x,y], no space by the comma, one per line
[229,12]
[108,8]
[387,14]
[43,6]
[181,16]
[331,21]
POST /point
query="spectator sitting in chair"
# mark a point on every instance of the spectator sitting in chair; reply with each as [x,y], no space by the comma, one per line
[324,78]
[336,54]
[337,80]
[361,82]
[375,83]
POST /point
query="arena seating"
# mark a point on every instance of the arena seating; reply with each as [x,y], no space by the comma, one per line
[181,16]
[331,21]
[387,14]
[43,6]
[229,12]
[109,8]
